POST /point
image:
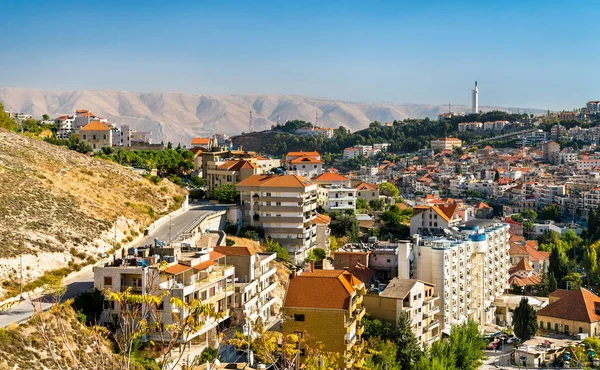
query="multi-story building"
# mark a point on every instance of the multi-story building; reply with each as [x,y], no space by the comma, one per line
[203,142]
[447,143]
[414,298]
[548,194]
[533,138]
[468,264]
[229,172]
[285,207]
[557,131]
[366,191]
[254,284]
[323,231]
[326,306]
[437,216]
[305,164]
[202,157]
[202,276]
[84,117]
[335,193]
[593,107]
[566,116]
[351,153]
[587,164]
[550,151]
[64,126]
[97,134]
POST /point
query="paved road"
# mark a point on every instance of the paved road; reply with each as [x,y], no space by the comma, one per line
[178,224]
[24,310]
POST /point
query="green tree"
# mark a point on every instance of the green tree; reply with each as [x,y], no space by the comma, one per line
[550,212]
[552,284]
[388,189]
[529,214]
[467,346]
[377,204]
[197,182]
[45,117]
[571,280]
[226,193]
[5,121]
[525,320]
[383,355]
[362,204]
[272,246]
[558,264]
[593,223]
[409,351]
[344,225]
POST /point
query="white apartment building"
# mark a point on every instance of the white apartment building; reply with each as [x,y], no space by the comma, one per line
[285,207]
[447,143]
[335,193]
[468,267]
[351,153]
[587,164]
[548,194]
[254,284]
[591,199]
[64,126]
[470,126]
[485,188]
[440,216]
[593,107]
[381,146]
[202,276]
[305,164]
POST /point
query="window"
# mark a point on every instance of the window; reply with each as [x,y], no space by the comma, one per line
[93,137]
[84,137]
[555,327]
[548,326]
[580,330]
[268,194]
[298,317]
[278,203]
[389,261]
[107,280]
[104,137]
[541,325]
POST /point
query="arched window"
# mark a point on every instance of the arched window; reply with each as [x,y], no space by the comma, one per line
[548,326]
[541,325]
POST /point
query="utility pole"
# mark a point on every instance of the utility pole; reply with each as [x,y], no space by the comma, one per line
[170,225]
[21,275]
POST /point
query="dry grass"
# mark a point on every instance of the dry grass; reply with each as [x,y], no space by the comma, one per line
[54,199]
[27,347]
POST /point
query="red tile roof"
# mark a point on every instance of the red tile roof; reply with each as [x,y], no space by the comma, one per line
[321,289]
[200,141]
[327,176]
[177,269]
[235,250]
[289,181]
[95,126]
[578,305]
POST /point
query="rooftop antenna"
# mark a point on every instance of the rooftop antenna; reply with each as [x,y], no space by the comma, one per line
[278,120]
[251,126]
[316,119]
[449,108]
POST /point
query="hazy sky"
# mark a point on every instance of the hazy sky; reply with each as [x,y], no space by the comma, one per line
[524,53]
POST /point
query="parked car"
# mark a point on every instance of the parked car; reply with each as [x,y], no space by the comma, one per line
[513,340]
[492,345]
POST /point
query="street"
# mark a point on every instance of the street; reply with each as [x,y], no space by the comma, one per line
[24,310]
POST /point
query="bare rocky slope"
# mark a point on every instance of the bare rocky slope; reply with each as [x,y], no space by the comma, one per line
[58,207]
[177,117]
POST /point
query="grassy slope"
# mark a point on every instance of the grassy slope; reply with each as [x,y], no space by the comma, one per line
[57,200]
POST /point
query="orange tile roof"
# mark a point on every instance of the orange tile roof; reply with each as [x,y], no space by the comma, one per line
[200,141]
[236,250]
[236,165]
[325,289]
[300,154]
[321,219]
[327,176]
[177,269]
[362,272]
[524,281]
[578,305]
[286,181]
[560,293]
[95,126]
[305,159]
[522,265]
[215,255]
[204,265]
[365,186]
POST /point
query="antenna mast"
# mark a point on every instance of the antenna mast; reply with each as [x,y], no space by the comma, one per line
[316,119]
[250,125]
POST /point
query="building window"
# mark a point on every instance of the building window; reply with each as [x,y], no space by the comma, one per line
[555,327]
[580,330]
[93,137]
[548,326]
[107,280]
[298,317]
[541,325]
[84,137]
[104,137]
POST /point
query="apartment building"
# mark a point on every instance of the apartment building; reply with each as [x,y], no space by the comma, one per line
[96,134]
[548,194]
[447,143]
[326,306]
[351,153]
[306,164]
[468,265]
[335,193]
[558,131]
[84,117]
[440,216]
[203,157]
[64,126]
[255,283]
[587,164]
[202,276]
[285,207]
[550,151]
[228,172]
[204,142]
[323,231]
[414,298]
[366,191]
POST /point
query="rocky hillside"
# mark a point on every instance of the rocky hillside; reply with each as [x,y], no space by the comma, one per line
[176,117]
[55,340]
[58,207]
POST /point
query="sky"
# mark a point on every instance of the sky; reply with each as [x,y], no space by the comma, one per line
[523,53]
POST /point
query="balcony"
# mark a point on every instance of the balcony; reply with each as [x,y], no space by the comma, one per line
[433,324]
[360,329]
[432,311]
[359,313]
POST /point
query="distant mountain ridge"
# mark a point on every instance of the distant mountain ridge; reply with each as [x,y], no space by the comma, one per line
[177,117]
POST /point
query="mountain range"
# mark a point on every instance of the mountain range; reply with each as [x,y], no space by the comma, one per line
[177,117]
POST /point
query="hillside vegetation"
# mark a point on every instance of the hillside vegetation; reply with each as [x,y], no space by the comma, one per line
[55,340]
[58,207]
